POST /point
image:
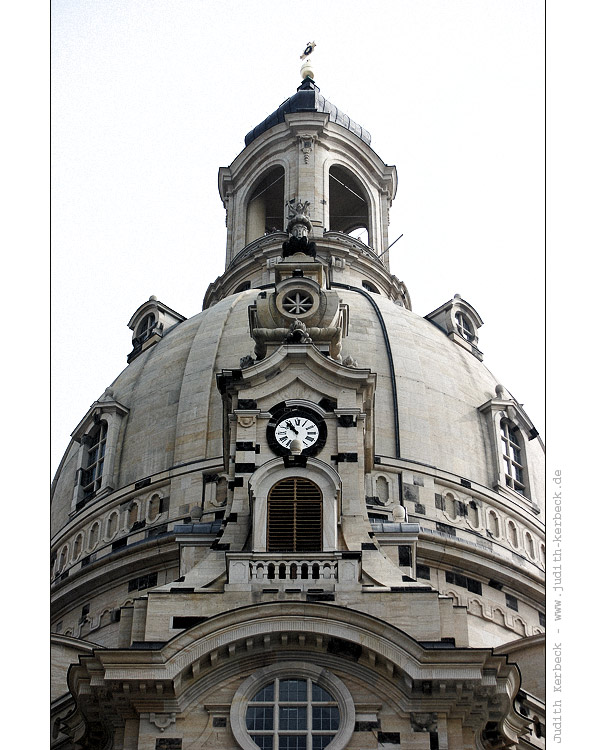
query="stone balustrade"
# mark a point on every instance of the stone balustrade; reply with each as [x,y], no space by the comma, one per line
[322,570]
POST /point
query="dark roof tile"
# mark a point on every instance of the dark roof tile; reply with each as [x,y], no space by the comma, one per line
[307,99]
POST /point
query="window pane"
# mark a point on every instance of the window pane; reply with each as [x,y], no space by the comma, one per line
[265,694]
[292,742]
[325,717]
[292,690]
[292,717]
[259,717]
[264,741]
[320,741]
[318,694]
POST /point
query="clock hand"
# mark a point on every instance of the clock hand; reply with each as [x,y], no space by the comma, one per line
[291,427]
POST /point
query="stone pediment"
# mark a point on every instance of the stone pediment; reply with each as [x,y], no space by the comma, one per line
[302,363]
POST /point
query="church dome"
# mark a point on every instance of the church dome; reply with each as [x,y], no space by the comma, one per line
[174,411]
[305,476]
[308,98]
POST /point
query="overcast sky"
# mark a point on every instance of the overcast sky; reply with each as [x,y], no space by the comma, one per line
[151,97]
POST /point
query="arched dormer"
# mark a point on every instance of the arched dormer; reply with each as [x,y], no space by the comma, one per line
[149,324]
[460,321]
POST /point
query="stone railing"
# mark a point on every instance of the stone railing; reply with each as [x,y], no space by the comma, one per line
[322,570]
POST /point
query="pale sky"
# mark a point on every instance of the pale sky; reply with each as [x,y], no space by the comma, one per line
[151,97]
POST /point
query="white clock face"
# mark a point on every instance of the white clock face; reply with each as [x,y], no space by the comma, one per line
[296,428]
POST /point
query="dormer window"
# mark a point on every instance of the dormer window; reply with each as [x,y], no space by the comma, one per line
[464,326]
[97,435]
[146,327]
[510,432]
[370,287]
[149,324]
[458,319]
[95,445]
[512,451]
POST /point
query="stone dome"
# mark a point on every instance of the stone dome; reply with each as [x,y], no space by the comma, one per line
[305,473]
[175,409]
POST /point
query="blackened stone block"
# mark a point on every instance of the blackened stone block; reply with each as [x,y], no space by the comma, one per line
[404,552]
[389,738]
[410,492]
[187,621]
[340,647]
[168,743]
[247,403]
[445,528]
[366,726]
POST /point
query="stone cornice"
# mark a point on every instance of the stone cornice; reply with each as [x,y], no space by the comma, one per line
[520,510]
[473,684]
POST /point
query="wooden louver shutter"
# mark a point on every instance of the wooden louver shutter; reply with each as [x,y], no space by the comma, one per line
[294,516]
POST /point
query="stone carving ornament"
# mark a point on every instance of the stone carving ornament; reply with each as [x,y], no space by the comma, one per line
[299,228]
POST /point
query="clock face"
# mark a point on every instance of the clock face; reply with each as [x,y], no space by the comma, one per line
[296,428]
[289,423]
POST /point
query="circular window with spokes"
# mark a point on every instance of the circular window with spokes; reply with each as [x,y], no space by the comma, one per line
[302,708]
[297,302]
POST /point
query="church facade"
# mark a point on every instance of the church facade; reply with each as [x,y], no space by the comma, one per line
[306,517]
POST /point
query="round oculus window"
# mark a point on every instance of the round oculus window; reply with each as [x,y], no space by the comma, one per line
[293,711]
[297,302]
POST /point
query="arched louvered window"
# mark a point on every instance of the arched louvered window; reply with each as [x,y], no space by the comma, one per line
[295,516]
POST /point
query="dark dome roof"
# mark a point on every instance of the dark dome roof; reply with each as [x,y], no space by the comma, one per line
[308,99]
